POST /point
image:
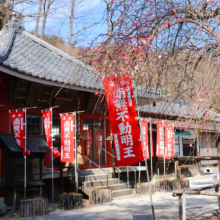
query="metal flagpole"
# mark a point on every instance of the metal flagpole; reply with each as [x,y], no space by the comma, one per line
[164,151]
[139,178]
[51,127]
[145,160]
[151,159]
[76,162]
[25,144]
[25,147]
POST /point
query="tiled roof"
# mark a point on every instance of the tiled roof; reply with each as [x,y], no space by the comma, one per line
[34,144]
[180,109]
[29,55]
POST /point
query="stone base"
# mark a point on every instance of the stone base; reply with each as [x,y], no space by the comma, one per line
[169,186]
[99,196]
[33,207]
[2,206]
[70,201]
[143,188]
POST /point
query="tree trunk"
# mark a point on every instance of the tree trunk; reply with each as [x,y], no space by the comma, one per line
[8,8]
[99,196]
[38,17]
[45,16]
[71,25]
[70,201]
[33,207]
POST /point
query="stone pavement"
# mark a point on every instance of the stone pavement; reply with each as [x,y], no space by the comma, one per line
[138,207]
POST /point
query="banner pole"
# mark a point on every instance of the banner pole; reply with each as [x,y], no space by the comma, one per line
[76,162]
[51,109]
[145,159]
[151,159]
[164,151]
[25,157]
[139,178]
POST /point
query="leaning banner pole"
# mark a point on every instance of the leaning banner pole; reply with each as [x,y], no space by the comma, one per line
[145,159]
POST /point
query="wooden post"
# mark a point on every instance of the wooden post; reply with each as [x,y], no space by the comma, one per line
[217,190]
[179,188]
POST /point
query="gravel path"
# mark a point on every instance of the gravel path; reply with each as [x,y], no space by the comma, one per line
[138,207]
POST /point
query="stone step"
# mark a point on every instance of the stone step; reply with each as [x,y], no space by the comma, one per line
[94,177]
[96,171]
[113,187]
[101,182]
[122,192]
[126,196]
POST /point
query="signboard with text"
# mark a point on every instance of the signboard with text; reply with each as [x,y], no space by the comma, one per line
[144,127]
[160,140]
[48,131]
[67,138]
[18,121]
[169,141]
[123,119]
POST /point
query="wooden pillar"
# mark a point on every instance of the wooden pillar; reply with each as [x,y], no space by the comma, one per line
[14,199]
[61,177]
[41,176]
[179,188]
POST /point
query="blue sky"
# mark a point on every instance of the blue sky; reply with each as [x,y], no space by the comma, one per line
[86,13]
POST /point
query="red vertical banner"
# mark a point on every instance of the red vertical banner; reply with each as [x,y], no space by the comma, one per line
[99,142]
[144,127]
[160,140]
[67,138]
[17,120]
[87,141]
[169,141]
[151,138]
[48,131]
[123,119]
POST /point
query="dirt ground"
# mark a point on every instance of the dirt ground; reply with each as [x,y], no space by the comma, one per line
[138,207]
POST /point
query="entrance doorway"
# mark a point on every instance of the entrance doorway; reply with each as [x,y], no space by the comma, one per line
[95,136]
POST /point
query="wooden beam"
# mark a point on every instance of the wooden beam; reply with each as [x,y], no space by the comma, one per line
[51,97]
[20,97]
[22,89]
[29,93]
[206,187]
[39,93]
[64,99]
[206,193]
[16,90]
[184,158]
